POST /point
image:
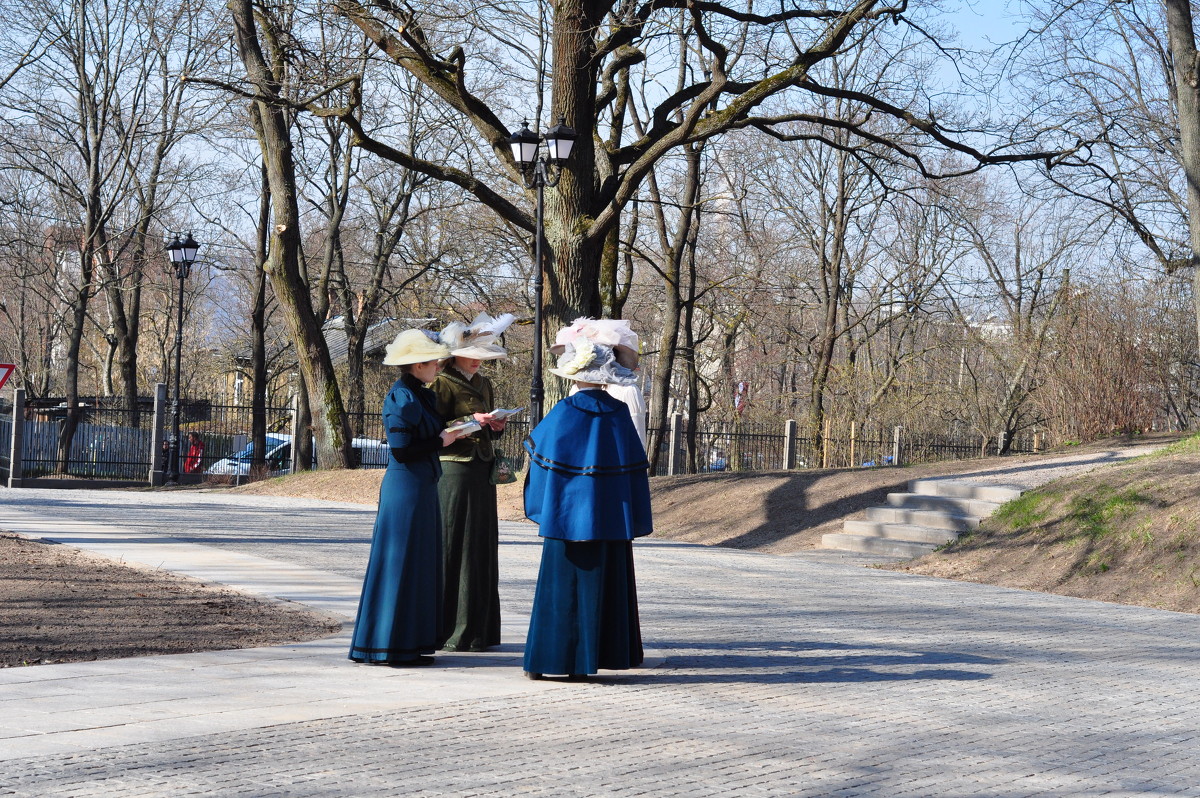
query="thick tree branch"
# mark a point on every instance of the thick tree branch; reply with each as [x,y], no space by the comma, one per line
[447,78]
[472,185]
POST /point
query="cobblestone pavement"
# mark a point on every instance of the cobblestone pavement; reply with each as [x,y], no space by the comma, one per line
[775,676]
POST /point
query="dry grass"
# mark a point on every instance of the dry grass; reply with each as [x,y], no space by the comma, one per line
[1129,533]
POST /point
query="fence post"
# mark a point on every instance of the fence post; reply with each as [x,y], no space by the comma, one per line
[853,442]
[17,443]
[825,445]
[295,430]
[896,446]
[157,461]
[676,444]
[789,445]
[1000,439]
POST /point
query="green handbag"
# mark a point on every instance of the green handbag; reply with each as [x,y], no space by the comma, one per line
[503,469]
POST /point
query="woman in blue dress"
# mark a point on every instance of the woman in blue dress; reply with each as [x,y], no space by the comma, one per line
[588,491]
[399,615]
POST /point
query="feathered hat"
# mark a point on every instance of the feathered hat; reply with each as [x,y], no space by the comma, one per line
[476,340]
[589,351]
[614,333]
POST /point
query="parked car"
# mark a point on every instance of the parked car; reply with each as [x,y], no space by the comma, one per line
[371,454]
[279,457]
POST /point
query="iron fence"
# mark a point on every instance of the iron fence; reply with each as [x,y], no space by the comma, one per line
[225,431]
[721,446]
[741,446]
[512,442]
[370,444]
[108,444]
[958,446]
[112,443]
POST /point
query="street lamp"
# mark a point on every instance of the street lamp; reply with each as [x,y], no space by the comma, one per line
[182,255]
[539,170]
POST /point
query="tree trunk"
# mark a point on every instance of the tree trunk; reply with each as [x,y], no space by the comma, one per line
[673,301]
[574,250]
[283,261]
[258,333]
[1181,40]
[79,303]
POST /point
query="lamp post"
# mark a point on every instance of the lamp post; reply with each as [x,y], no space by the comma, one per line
[182,255]
[539,170]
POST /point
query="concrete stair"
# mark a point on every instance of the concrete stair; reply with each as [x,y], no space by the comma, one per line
[933,513]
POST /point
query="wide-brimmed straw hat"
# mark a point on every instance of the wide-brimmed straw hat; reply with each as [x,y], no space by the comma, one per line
[585,359]
[414,346]
[614,333]
[477,339]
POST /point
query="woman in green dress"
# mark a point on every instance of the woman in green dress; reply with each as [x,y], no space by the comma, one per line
[470,529]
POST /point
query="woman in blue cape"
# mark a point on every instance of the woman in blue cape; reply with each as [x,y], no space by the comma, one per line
[588,491]
[399,619]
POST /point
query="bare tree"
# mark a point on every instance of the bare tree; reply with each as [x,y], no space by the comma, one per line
[1025,249]
[271,118]
[95,118]
[1131,74]
[746,64]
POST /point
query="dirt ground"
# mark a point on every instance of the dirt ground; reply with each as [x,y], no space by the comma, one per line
[61,605]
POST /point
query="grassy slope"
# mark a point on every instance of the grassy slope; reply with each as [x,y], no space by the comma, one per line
[1127,533]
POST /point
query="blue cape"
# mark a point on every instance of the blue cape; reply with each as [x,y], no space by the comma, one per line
[587,475]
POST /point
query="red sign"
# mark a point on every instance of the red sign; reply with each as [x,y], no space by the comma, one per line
[6,369]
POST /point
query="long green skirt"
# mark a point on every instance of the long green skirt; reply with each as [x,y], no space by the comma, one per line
[470,553]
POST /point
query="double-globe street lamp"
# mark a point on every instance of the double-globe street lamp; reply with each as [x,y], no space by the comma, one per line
[539,170]
[182,255]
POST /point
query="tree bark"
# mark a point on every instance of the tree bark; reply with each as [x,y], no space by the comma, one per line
[1181,40]
[272,127]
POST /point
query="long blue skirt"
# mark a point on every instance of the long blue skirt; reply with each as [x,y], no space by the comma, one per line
[399,614]
[585,614]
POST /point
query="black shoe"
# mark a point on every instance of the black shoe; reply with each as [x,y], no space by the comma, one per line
[533,677]
[411,663]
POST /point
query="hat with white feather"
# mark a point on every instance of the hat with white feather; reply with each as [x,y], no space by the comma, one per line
[614,333]
[590,350]
[477,339]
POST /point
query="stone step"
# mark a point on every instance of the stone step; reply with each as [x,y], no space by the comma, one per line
[909,532]
[875,545]
[930,518]
[950,504]
[965,490]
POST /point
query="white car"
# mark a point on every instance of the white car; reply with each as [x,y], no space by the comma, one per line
[371,453]
[279,458]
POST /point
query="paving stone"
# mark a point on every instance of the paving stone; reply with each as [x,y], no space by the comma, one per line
[777,676]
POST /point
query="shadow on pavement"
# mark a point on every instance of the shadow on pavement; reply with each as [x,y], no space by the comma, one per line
[792,662]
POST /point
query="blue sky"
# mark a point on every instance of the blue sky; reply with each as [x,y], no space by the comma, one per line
[981,21]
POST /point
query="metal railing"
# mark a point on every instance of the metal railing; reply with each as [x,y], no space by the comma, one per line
[108,444]
[6,422]
[117,444]
[225,430]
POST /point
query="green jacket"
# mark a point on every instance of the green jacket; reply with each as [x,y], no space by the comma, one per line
[456,396]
